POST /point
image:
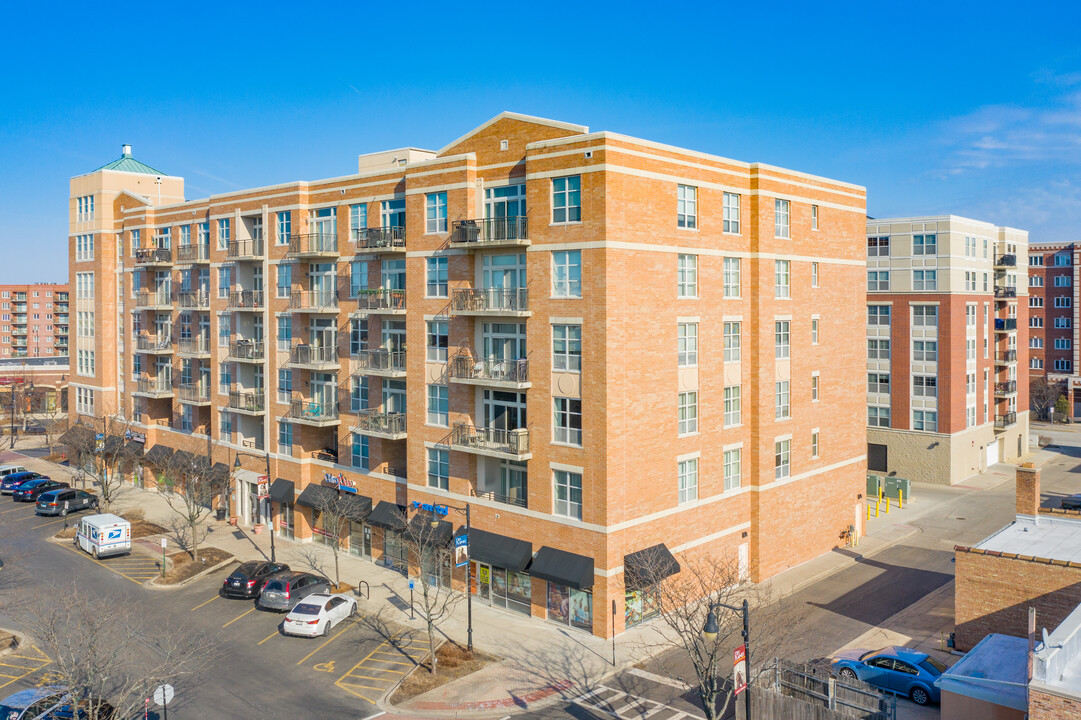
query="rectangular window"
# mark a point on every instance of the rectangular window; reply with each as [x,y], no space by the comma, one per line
[1063,365]
[358,219]
[1063,343]
[814,274]
[687,344]
[688,480]
[285,385]
[567,274]
[782,279]
[568,494]
[925,385]
[688,413]
[1035,321]
[285,333]
[435,213]
[687,276]
[358,277]
[732,479]
[925,420]
[567,348]
[732,342]
[225,330]
[927,315]
[781,460]
[814,217]
[924,351]
[731,277]
[358,336]
[878,247]
[878,416]
[878,349]
[814,387]
[782,406]
[686,206]
[878,315]
[1062,260]
[924,279]
[225,378]
[225,281]
[1063,301]
[439,469]
[814,331]
[1063,322]
[567,199]
[436,285]
[878,280]
[731,213]
[814,444]
[358,393]
[361,452]
[1062,281]
[1035,364]
[285,227]
[781,218]
[438,405]
[1035,343]
[1035,259]
[285,280]
[438,340]
[732,401]
[568,421]
[224,228]
[924,245]
[781,344]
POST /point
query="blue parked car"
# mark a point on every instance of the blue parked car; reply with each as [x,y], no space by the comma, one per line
[34,703]
[894,669]
[14,480]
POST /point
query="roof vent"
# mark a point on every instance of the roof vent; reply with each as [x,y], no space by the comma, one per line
[125,150]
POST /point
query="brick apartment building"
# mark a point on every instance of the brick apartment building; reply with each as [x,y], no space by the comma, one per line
[34,320]
[946,333]
[1053,303]
[602,344]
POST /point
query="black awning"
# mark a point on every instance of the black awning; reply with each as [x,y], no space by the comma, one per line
[112,445]
[421,531]
[563,568]
[388,515]
[159,455]
[77,436]
[201,463]
[317,496]
[499,550]
[183,460]
[648,567]
[132,450]
[219,473]
[327,499]
[282,490]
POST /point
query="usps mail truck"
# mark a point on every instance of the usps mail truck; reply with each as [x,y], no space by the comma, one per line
[104,535]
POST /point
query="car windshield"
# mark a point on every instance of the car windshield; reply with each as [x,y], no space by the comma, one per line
[307,609]
[933,666]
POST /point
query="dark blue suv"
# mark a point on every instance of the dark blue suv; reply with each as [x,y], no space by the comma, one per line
[10,483]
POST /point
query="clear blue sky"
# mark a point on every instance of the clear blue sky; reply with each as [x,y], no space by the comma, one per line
[943,107]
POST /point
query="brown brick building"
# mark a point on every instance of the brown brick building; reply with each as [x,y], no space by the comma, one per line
[34,321]
[600,343]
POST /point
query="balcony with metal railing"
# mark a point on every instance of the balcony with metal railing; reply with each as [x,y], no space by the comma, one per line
[247,300]
[1008,357]
[194,393]
[193,254]
[1004,292]
[490,301]
[517,495]
[154,344]
[247,350]
[490,232]
[381,302]
[314,301]
[381,362]
[1005,389]
[194,347]
[315,414]
[194,299]
[154,256]
[491,442]
[153,387]
[1006,260]
[250,249]
[313,245]
[153,300]
[1005,324]
[492,372]
[380,239]
[248,402]
[1004,421]
[314,357]
[390,426]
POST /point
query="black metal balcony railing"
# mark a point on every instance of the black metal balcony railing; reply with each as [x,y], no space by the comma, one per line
[495,231]
[246,299]
[1006,388]
[381,423]
[153,386]
[490,300]
[199,299]
[490,440]
[194,346]
[313,355]
[153,343]
[313,411]
[517,496]
[381,300]
[194,392]
[247,350]
[316,244]
[248,401]
[1005,324]
[1007,260]
[193,253]
[153,256]
[1005,421]
[465,367]
[380,360]
[380,238]
[147,298]
[1005,292]
[1008,356]
[313,300]
[245,249]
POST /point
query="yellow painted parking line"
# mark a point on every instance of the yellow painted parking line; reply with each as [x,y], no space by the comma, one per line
[396,662]
[21,667]
[237,618]
[369,677]
[326,642]
[273,634]
[77,551]
[9,676]
[43,659]
[206,603]
[51,522]
[4,512]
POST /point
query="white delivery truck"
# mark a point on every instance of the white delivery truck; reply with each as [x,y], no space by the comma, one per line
[104,535]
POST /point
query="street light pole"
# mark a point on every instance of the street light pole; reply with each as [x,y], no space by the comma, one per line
[236,465]
[710,630]
[468,583]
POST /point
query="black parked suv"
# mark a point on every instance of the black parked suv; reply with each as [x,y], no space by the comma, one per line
[247,581]
[286,590]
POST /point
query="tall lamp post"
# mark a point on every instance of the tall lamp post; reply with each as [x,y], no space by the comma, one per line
[236,465]
[710,631]
[434,522]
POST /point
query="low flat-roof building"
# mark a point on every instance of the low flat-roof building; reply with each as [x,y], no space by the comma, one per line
[1055,688]
[988,682]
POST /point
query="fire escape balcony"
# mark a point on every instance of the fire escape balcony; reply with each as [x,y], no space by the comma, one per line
[490,232]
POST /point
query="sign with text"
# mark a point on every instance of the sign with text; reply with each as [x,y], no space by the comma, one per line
[739,658]
[434,509]
[264,487]
[340,481]
[461,550]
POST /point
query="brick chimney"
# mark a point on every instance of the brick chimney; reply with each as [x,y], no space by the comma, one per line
[1028,489]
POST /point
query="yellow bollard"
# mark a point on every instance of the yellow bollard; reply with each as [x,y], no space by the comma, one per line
[881,490]
[868,510]
[900,499]
[876,508]
[887,505]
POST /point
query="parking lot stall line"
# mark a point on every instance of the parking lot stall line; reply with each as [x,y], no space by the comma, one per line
[205,603]
[237,618]
[51,522]
[81,554]
[326,642]
[273,634]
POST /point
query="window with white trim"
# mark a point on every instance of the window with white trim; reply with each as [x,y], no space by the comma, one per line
[1063,322]
[1035,342]
[781,340]
[878,383]
[687,344]
[687,276]
[878,349]
[814,444]
[731,277]
[1063,343]
[924,279]
[878,280]
[1063,365]
[567,421]
[781,218]
[814,331]
[782,405]
[568,494]
[782,279]
[84,247]
[439,405]
[436,285]
[439,468]
[567,274]
[732,474]
[878,246]
[1063,301]
[926,420]
[814,387]
[1062,260]
[731,213]
[814,217]
[1063,281]
[732,406]
[878,416]
[781,459]
[924,245]
[924,351]
[567,199]
[438,340]
[732,342]
[688,480]
[1035,364]
[878,315]
[688,413]
[435,212]
[687,206]
[567,348]
[814,274]
[925,386]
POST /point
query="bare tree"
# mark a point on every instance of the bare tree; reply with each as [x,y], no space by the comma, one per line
[95,453]
[428,540]
[191,484]
[54,418]
[334,510]
[1043,395]
[682,602]
[109,651]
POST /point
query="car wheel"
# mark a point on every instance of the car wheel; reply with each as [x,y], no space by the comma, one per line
[94,552]
[848,673]
[919,696]
[326,629]
[94,505]
[353,612]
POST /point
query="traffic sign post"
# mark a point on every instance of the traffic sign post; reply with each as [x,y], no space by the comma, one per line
[163,543]
[163,696]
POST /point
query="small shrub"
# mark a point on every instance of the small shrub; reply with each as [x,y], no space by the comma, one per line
[134,515]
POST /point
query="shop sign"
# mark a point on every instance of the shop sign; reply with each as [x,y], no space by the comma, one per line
[340,481]
[317,531]
[461,550]
[434,509]
[135,436]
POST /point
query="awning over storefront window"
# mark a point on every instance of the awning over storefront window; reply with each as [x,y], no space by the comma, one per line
[282,491]
[388,515]
[421,532]
[182,460]
[112,446]
[132,450]
[219,473]
[647,567]
[77,436]
[499,550]
[322,498]
[159,455]
[563,568]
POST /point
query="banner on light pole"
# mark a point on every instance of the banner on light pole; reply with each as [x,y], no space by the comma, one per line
[739,671]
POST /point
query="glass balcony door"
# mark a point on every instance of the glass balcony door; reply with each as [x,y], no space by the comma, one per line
[504,410]
[504,272]
[503,341]
[392,275]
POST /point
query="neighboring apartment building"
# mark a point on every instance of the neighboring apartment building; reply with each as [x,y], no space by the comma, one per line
[946,333]
[1053,280]
[603,344]
[34,321]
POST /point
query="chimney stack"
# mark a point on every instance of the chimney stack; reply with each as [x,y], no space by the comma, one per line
[1028,489]
[125,150]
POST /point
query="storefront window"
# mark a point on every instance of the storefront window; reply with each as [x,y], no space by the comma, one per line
[501,587]
[570,607]
[360,540]
[285,521]
[640,606]
[319,530]
[395,552]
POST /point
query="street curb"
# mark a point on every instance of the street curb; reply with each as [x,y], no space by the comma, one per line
[19,638]
[153,583]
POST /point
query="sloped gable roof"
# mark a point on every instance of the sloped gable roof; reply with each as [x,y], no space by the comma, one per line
[572,128]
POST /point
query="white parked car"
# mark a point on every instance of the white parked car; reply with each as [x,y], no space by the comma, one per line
[317,614]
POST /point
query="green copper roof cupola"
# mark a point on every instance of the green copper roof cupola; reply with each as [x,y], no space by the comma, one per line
[126,163]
